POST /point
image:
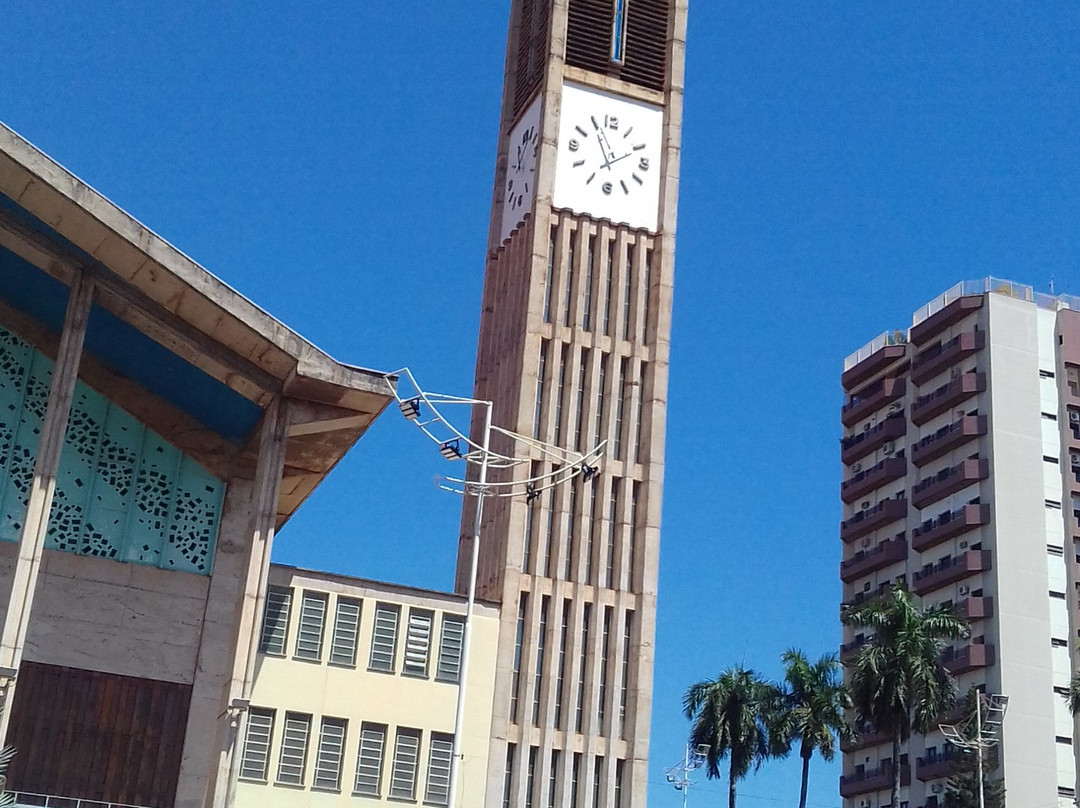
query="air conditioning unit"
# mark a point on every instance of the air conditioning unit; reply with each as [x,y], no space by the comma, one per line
[955,372]
[866,542]
[1074,416]
[856,467]
[864,506]
[889,447]
[964,590]
[937,788]
[963,545]
[864,803]
[895,407]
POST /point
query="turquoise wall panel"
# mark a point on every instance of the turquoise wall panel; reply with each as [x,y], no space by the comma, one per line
[122,493]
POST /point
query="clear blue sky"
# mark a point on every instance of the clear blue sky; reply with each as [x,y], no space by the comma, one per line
[843,163]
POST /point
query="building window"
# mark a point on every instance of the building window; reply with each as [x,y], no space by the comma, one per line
[590,541]
[622,391]
[1065,739]
[309,634]
[541,645]
[579,413]
[548,278]
[586,313]
[508,775]
[631,561]
[569,298]
[618,782]
[560,391]
[331,751]
[541,369]
[560,684]
[437,791]
[613,521]
[450,644]
[406,759]
[575,779]
[605,652]
[519,639]
[275,627]
[598,773]
[608,287]
[640,415]
[624,688]
[256,757]
[645,307]
[346,632]
[369,759]
[418,643]
[586,617]
[384,638]
[530,777]
[294,743]
[628,290]
[601,384]
[571,528]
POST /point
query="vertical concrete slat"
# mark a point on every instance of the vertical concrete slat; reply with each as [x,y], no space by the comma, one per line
[43,486]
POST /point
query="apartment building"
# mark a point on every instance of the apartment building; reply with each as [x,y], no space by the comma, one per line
[355,694]
[961,456]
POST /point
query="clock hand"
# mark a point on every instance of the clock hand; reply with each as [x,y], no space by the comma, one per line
[611,162]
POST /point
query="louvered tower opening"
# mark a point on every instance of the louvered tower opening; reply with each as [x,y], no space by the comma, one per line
[532,28]
[591,30]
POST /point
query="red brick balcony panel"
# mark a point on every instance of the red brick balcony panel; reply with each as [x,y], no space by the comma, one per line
[939,321]
[949,481]
[867,480]
[948,395]
[861,444]
[947,438]
[954,569]
[973,609]
[968,658]
[935,767]
[871,780]
[865,737]
[933,532]
[866,561]
[868,520]
[875,363]
[871,398]
[935,359]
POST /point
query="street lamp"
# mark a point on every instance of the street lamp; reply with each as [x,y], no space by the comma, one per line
[679,774]
[989,714]
[415,405]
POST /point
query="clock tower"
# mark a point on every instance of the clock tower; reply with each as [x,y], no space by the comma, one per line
[573,350]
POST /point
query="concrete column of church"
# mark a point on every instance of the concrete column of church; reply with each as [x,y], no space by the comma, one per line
[271,462]
[42,489]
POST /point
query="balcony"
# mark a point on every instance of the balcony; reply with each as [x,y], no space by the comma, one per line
[949,525]
[950,570]
[949,481]
[939,321]
[935,766]
[867,480]
[973,609]
[870,399]
[863,443]
[866,561]
[850,650]
[937,358]
[948,395]
[863,598]
[957,433]
[866,736]
[874,363]
[870,519]
[870,780]
[968,658]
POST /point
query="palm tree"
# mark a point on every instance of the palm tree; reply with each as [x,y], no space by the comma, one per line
[1073,696]
[816,700]
[898,681]
[738,716]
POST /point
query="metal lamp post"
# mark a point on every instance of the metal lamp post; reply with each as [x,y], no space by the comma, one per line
[989,714]
[422,409]
[679,774]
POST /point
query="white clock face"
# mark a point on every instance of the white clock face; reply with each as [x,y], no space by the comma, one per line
[519,189]
[609,157]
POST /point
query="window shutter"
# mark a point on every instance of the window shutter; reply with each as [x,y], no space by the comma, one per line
[309,634]
[275,621]
[589,30]
[384,638]
[450,647]
[256,757]
[418,643]
[346,631]
[294,742]
[369,760]
[406,756]
[331,751]
[437,791]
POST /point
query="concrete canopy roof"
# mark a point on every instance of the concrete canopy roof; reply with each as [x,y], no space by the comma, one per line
[147,290]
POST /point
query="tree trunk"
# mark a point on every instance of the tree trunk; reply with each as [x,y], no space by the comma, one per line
[895,802]
[806,753]
[731,787]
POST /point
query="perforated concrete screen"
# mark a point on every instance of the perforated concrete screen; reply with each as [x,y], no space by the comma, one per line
[123,493]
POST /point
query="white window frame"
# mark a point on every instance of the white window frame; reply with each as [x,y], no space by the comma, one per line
[330,754]
[295,739]
[383,655]
[437,787]
[451,645]
[369,759]
[258,741]
[311,625]
[274,639]
[406,764]
[418,633]
[346,634]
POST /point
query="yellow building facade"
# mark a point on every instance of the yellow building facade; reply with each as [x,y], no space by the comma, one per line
[356,685]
